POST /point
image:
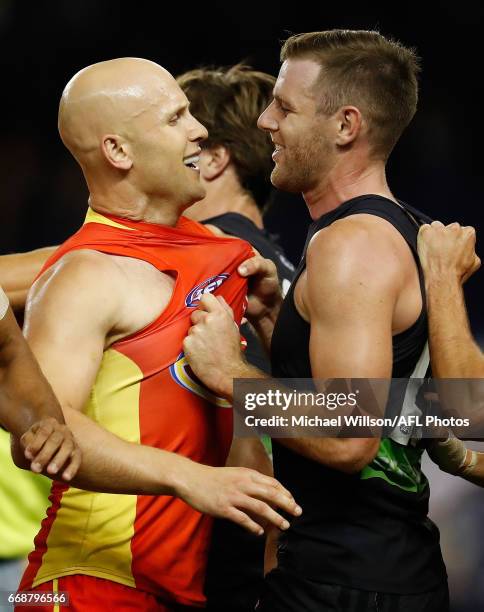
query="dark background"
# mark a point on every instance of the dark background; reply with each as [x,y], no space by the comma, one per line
[435,167]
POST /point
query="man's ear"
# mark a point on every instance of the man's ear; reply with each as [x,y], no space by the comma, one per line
[213,161]
[115,150]
[349,125]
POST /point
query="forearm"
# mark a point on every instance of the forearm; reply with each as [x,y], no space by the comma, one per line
[250,453]
[454,353]
[453,457]
[25,394]
[348,455]
[18,271]
[113,465]
[242,369]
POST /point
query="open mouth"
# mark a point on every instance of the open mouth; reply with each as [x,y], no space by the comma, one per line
[192,162]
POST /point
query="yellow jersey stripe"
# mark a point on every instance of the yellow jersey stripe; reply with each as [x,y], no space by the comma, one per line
[94,217]
[92,532]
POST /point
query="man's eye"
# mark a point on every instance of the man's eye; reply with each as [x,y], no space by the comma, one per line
[174,119]
[283,108]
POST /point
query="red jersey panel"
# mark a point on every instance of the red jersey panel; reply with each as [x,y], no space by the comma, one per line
[145,393]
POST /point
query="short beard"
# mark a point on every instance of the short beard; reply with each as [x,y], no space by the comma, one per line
[301,172]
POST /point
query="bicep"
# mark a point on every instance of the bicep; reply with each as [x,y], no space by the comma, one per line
[350,306]
[350,346]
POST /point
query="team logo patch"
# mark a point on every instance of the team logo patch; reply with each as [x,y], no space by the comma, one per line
[182,374]
[208,286]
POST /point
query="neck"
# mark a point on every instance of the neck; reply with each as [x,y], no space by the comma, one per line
[224,195]
[130,204]
[343,185]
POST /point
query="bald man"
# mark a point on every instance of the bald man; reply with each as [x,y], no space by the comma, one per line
[106,320]
[29,409]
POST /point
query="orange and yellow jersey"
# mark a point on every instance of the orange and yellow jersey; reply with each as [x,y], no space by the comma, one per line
[145,393]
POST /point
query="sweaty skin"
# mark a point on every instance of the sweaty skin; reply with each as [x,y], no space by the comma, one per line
[352,322]
[133,154]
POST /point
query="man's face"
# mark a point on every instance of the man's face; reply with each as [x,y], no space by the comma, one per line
[166,147]
[303,152]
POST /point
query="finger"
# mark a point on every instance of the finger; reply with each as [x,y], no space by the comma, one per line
[423,228]
[198,316]
[278,499]
[470,232]
[475,266]
[73,466]
[47,451]
[453,225]
[261,510]
[209,303]
[240,518]
[251,266]
[25,441]
[268,481]
[43,430]
[62,455]
[226,307]
[437,224]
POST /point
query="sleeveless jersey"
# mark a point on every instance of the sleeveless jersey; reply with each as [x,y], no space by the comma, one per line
[369,530]
[145,393]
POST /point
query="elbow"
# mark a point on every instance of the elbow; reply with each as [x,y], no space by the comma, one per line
[356,454]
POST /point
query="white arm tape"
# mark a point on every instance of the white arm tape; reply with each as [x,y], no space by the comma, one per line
[451,456]
[4,304]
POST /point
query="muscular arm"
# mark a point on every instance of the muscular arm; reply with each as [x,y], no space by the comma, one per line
[353,279]
[73,313]
[70,312]
[18,271]
[348,297]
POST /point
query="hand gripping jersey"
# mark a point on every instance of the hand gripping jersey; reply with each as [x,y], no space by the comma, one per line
[145,393]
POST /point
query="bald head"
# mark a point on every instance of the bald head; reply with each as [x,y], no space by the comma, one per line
[107,98]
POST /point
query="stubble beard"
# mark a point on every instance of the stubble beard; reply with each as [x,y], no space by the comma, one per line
[298,170]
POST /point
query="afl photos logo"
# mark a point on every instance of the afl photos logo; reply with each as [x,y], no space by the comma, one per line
[208,286]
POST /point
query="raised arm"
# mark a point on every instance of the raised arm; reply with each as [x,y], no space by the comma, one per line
[448,258]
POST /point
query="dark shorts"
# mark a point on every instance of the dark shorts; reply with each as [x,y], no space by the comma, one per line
[285,591]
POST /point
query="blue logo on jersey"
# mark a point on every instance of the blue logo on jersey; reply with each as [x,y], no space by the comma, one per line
[208,286]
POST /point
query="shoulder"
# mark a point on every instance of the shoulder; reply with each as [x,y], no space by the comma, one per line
[80,281]
[81,265]
[361,247]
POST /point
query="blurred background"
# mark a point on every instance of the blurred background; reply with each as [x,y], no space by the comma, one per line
[436,166]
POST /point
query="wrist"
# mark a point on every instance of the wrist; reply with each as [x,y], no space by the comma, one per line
[175,475]
[238,368]
[439,277]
